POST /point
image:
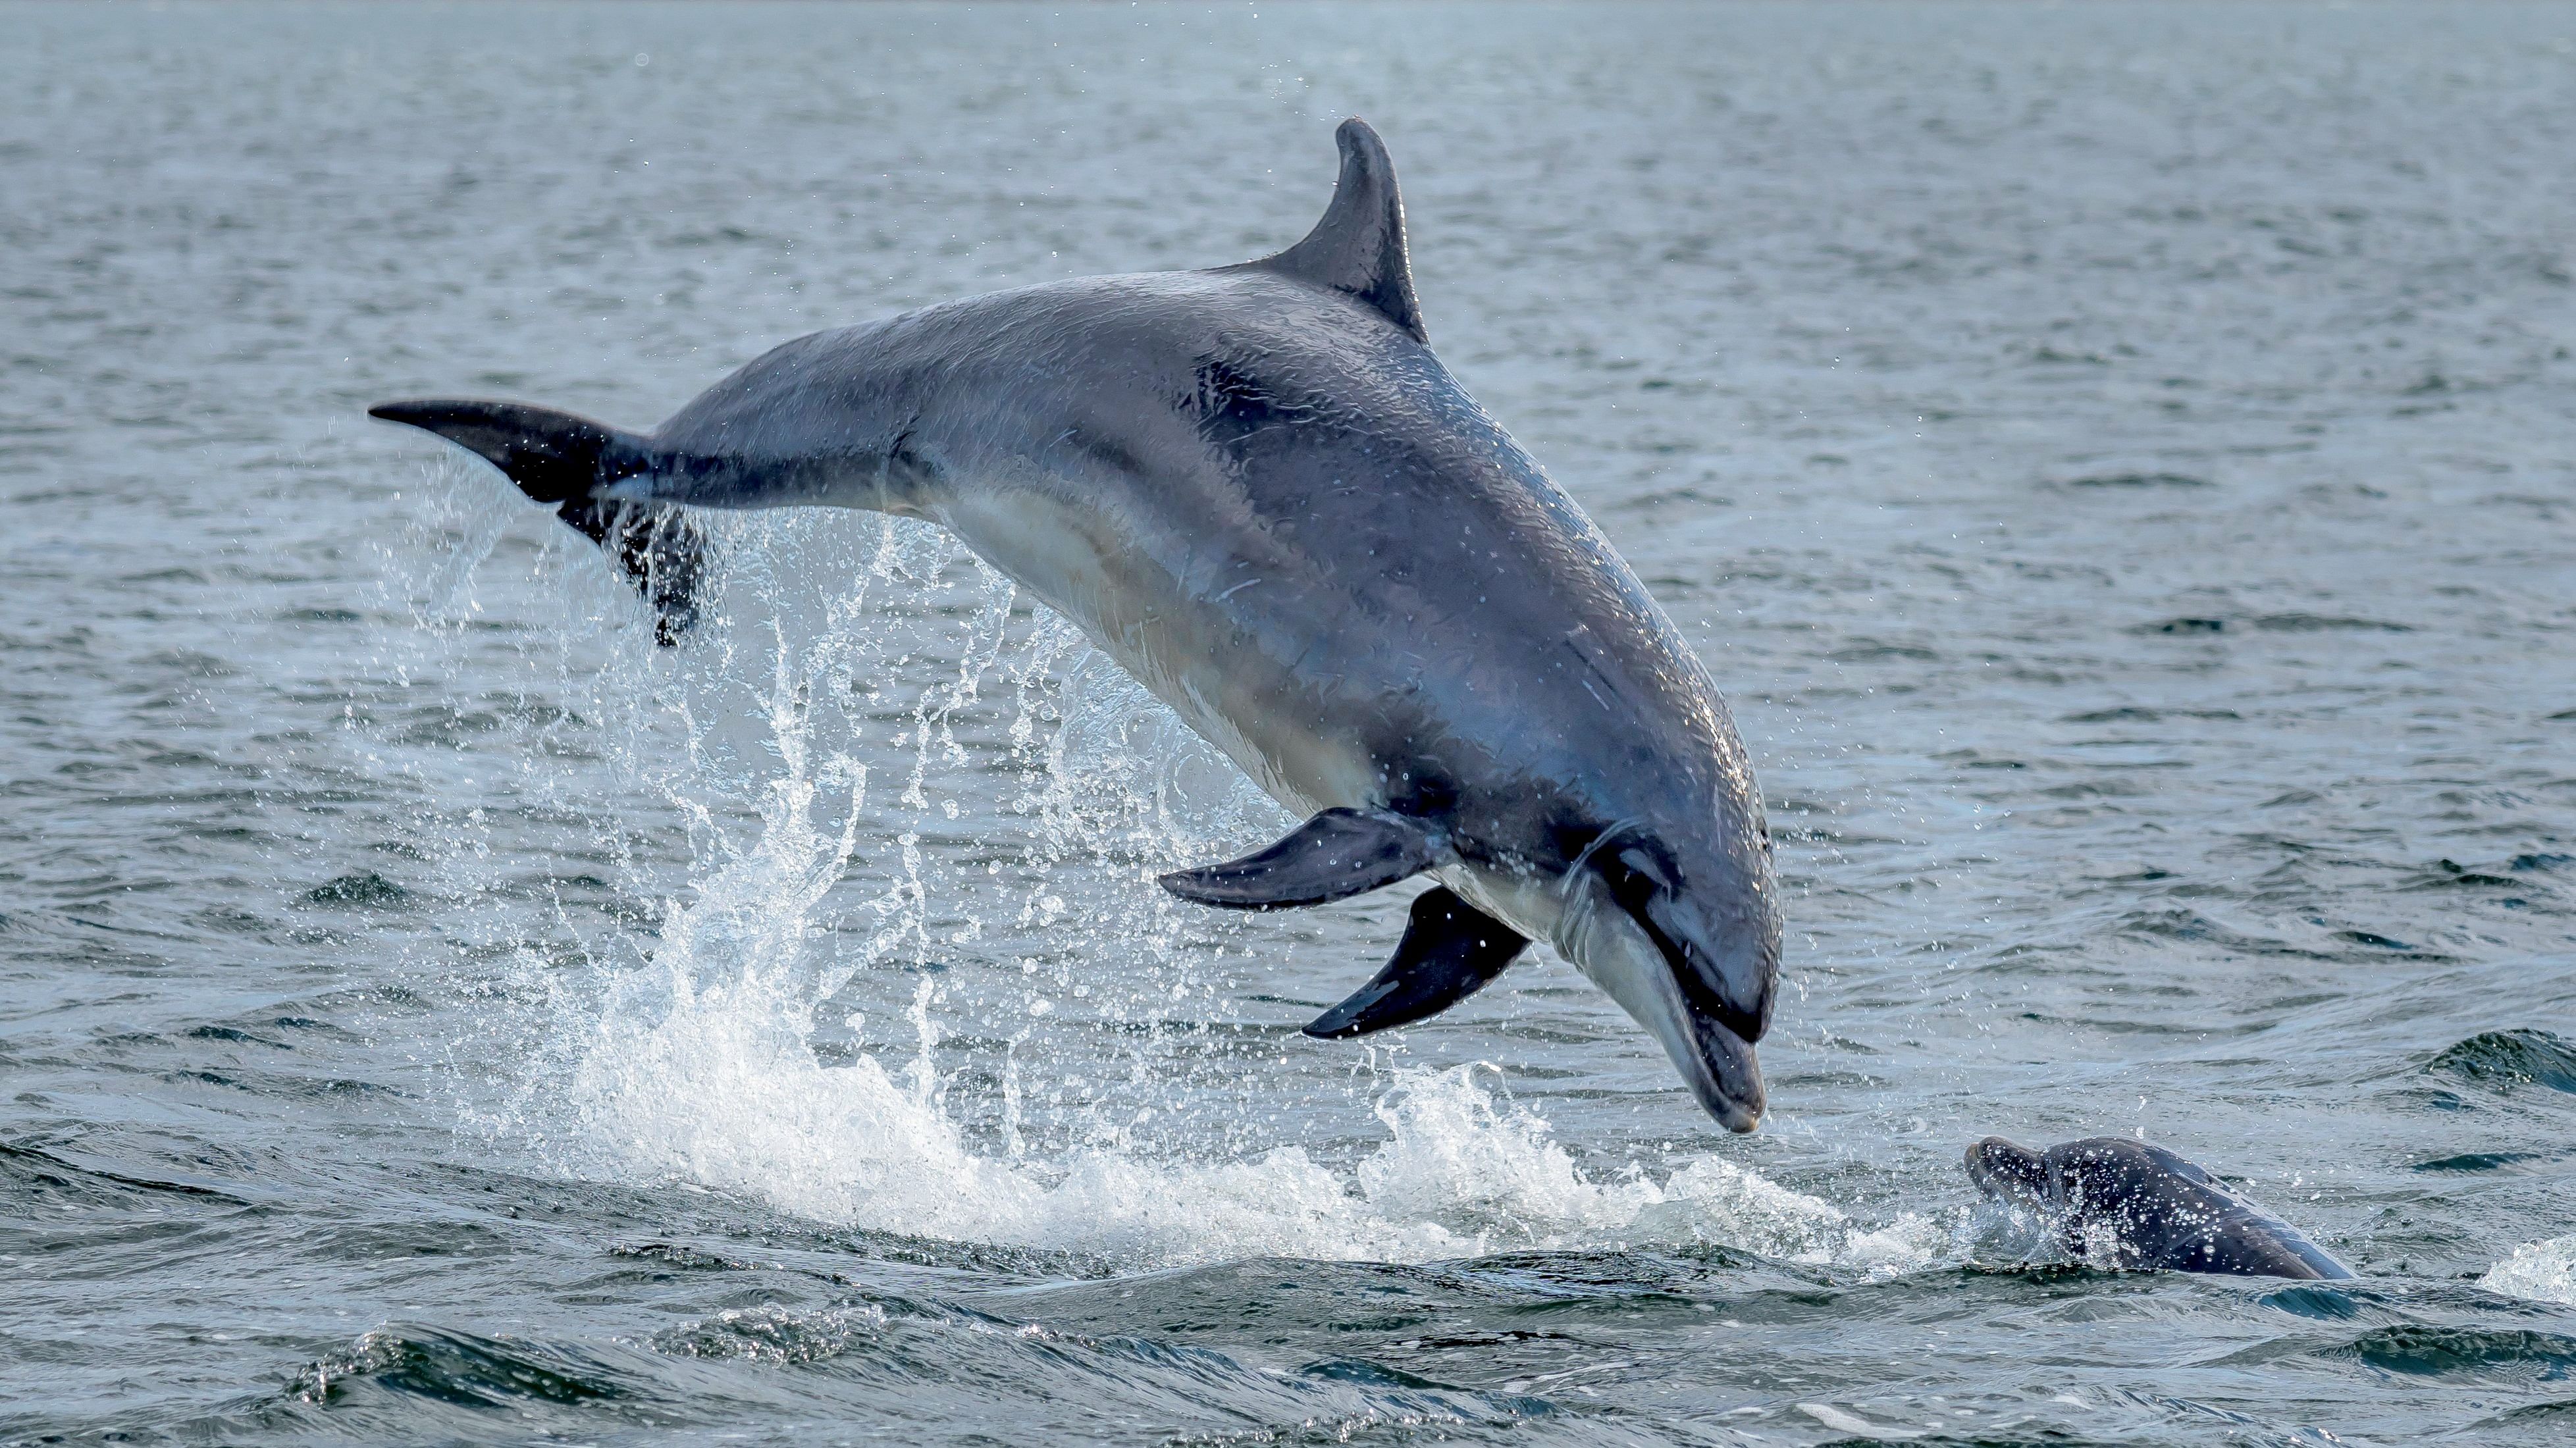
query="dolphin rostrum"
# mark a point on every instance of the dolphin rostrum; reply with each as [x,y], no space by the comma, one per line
[2124,1204]
[1260,493]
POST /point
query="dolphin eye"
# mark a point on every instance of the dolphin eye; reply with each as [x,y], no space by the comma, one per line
[1638,872]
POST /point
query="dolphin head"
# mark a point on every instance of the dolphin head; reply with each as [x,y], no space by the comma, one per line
[2098,1176]
[1685,935]
[2013,1175]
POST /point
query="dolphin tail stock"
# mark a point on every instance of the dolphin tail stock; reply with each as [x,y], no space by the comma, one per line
[562,460]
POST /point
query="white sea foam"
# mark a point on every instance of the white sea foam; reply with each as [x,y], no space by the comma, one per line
[2540,1271]
[722,1091]
[710,1078]
[699,1063]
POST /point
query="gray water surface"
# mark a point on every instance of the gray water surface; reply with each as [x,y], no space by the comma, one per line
[2120,461]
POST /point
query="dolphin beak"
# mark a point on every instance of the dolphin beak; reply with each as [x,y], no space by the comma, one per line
[1716,1062]
[1713,1056]
[1720,970]
[2008,1173]
[1722,1072]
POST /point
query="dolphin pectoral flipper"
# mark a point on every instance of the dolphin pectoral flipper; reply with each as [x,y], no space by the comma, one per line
[1450,951]
[561,459]
[1335,855]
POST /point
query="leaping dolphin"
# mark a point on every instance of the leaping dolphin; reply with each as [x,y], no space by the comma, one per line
[2126,1204]
[1259,492]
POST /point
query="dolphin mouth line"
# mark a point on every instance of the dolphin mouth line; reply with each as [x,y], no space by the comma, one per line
[1720,1040]
[1707,1040]
[1702,997]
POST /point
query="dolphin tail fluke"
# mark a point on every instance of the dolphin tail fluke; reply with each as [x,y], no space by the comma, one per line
[660,549]
[553,456]
[559,459]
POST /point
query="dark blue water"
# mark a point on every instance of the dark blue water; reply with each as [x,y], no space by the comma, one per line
[2119,460]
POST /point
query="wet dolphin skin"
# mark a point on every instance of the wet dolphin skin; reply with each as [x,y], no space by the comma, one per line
[1257,489]
[2118,1203]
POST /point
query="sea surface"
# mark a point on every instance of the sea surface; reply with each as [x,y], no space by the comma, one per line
[2119,461]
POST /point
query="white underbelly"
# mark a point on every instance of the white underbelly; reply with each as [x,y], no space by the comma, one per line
[1526,903]
[1179,646]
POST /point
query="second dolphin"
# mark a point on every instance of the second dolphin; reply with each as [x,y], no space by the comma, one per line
[2127,1205]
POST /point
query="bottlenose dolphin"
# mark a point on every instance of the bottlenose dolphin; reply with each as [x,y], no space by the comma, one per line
[1260,493]
[2120,1203]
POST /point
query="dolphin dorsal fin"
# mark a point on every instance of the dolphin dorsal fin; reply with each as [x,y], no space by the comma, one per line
[1358,248]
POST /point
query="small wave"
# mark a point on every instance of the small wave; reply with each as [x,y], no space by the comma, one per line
[1852,1423]
[2138,479]
[455,1368]
[2326,623]
[681,1256]
[1868,651]
[367,889]
[2537,1271]
[2326,1304]
[2448,874]
[772,1334]
[2135,714]
[32,1177]
[2419,1350]
[905,1346]
[2511,1058]
[2474,1161]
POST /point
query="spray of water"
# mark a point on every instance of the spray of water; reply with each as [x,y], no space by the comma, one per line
[2539,1271]
[910,973]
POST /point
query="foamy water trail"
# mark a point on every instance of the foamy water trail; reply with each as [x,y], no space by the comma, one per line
[694,1054]
[722,1099]
[702,1068]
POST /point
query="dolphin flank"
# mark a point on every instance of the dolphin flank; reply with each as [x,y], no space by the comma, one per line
[2120,1203]
[1259,492]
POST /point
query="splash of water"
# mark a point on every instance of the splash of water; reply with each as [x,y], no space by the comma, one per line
[2538,1271]
[732,1048]
[722,1092]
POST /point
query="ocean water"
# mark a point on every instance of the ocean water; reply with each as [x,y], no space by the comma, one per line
[2119,460]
